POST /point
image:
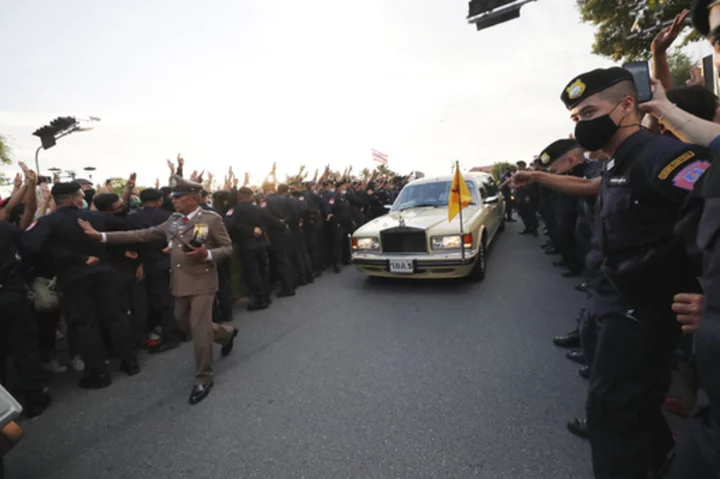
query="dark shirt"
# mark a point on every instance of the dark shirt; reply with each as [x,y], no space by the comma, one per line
[151,254]
[242,219]
[11,278]
[60,235]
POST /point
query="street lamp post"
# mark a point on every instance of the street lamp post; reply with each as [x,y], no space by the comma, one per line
[59,127]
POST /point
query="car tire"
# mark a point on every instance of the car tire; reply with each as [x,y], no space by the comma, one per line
[478,271]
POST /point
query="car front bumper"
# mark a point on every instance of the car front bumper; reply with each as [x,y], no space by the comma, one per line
[449,265]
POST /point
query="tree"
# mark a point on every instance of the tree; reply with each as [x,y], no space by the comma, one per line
[615,20]
[499,168]
[680,66]
[4,151]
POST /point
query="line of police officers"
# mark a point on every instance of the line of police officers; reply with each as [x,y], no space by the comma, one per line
[649,246]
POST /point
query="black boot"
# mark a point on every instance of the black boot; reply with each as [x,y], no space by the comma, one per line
[579,427]
[569,340]
[576,356]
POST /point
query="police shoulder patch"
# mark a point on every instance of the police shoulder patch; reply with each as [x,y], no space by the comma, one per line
[675,164]
[688,176]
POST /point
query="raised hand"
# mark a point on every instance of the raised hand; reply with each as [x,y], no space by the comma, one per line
[171,166]
[663,40]
[18,181]
[696,77]
[157,183]
[130,185]
[235,182]
[247,179]
[30,175]
[45,190]
[180,160]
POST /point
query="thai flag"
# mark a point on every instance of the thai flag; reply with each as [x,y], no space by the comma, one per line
[380,157]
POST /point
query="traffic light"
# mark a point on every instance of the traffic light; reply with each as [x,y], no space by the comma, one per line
[48,133]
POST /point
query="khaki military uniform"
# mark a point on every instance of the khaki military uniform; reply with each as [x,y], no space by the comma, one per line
[193,283]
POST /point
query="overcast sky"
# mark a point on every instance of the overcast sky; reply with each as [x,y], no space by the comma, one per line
[246,83]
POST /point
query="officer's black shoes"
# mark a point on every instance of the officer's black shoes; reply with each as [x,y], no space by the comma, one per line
[569,340]
[257,305]
[579,427]
[199,392]
[577,356]
[336,268]
[582,287]
[525,232]
[317,274]
[95,381]
[36,402]
[285,294]
[552,250]
[227,348]
[584,372]
[302,283]
[131,368]
[163,346]
[573,273]
[561,263]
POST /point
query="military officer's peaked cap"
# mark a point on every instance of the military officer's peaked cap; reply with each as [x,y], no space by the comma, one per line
[181,186]
[556,150]
[151,194]
[700,15]
[582,86]
[65,188]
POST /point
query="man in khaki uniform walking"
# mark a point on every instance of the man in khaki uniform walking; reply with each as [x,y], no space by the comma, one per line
[197,239]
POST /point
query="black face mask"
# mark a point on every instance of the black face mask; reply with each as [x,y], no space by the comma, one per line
[596,133]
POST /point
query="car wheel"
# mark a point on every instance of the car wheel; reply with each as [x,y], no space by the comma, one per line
[478,271]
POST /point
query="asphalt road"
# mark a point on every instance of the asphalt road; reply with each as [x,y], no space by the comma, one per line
[349,379]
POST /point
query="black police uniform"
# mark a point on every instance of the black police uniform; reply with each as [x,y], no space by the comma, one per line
[89,291]
[298,249]
[241,222]
[507,196]
[645,265]
[18,325]
[313,219]
[527,204]
[340,226]
[697,452]
[280,263]
[156,264]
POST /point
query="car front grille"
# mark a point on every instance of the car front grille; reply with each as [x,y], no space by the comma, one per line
[403,240]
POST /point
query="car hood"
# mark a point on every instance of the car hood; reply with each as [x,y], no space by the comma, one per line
[429,218]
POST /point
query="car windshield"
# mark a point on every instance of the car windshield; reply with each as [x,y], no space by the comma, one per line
[433,194]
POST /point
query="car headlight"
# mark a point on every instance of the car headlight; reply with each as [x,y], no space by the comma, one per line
[365,244]
[451,242]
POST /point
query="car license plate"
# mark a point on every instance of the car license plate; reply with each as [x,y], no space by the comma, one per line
[403,266]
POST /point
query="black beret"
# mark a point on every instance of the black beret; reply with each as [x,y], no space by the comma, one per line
[151,194]
[556,150]
[245,191]
[65,188]
[592,82]
[700,15]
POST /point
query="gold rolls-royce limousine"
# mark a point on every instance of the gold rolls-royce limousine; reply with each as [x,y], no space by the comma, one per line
[416,240]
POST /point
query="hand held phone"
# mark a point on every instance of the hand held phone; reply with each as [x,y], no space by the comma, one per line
[641,76]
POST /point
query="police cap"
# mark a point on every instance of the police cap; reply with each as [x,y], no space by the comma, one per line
[151,194]
[701,15]
[587,84]
[69,188]
[181,186]
[556,150]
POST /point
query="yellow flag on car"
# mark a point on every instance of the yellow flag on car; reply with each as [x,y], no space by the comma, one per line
[459,195]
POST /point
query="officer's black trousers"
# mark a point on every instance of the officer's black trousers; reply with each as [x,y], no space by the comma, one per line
[223,304]
[313,234]
[131,304]
[18,339]
[161,303]
[254,261]
[528,215]
[280,265]
[630,375]
[89,302]
[299,257]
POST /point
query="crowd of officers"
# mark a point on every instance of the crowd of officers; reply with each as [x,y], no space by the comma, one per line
[630,202]
[112,300]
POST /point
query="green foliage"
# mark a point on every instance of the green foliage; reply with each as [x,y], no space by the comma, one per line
[499,168]
[117,185]
[4,151]
[680,66]
[614,20]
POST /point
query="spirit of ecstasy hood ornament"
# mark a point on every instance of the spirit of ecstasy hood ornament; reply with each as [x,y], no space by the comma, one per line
[401,220]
